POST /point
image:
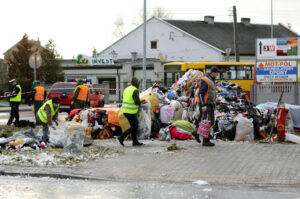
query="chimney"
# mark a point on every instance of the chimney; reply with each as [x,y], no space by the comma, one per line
[133,56]
[245,21]
[209,19]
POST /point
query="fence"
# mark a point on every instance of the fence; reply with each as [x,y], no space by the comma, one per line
[261,93]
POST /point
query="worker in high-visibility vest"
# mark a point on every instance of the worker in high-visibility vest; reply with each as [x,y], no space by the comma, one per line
[39,95]
[130,108]
[206,99]
[80,97]
[46,114]
[14,101]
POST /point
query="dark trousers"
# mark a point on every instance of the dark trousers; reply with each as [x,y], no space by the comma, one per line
[80,104]
[132,118]
[14,112]
[37,105]
[208,114]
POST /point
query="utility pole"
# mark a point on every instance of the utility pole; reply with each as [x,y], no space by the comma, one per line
[144,47]
[236,38]
[272,19]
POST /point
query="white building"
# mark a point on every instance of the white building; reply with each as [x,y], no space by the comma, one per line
[172,40]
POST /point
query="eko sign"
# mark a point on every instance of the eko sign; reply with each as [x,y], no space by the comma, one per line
[276,71]
[84,60]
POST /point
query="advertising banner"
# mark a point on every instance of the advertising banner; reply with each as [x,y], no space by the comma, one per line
[298,71]
[276,71]
[84,60]
[278,48]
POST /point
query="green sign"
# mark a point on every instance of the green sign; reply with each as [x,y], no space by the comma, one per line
[83,60]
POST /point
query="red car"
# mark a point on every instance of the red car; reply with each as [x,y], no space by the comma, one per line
[65,91]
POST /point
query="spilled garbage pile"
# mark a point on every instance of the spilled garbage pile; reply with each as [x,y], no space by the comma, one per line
[171,113]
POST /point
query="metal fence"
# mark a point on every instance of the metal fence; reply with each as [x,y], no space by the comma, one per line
[261,93]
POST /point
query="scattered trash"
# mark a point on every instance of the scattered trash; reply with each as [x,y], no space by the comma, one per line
[200,182]
[173,147]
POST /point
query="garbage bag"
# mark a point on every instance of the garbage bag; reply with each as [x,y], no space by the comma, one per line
[244,129]
[150,97]
[30,133]
[75,138]
[158,93]
[183,124]
[124,123]
[178,109]
[144,118]
[165,134]
[166,114]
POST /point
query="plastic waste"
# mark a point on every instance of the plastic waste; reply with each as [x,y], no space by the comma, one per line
[144,118]
[166,114]
[244,129]
[75,138]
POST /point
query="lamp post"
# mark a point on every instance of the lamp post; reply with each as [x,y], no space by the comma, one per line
[144,48]
[272,19]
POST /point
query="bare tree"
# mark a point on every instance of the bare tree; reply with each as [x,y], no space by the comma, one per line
[157,12]
[95,52]
[119,25]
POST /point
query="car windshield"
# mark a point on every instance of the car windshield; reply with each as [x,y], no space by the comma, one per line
[63,88]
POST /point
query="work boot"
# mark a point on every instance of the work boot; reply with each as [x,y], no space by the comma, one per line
[196,136]
[121,140]
[206,142]
[137,144]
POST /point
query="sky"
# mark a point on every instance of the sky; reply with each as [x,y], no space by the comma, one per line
[77,26]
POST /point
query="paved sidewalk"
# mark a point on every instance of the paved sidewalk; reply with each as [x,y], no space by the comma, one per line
[226,163]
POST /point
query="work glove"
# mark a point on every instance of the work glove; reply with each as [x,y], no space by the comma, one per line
[56,122]
[204,109]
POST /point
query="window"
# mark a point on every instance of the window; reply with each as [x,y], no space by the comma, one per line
[153,44]
[111,83]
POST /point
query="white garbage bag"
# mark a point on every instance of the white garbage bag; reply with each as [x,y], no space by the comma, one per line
[144,118]
[75,137]
[244,129]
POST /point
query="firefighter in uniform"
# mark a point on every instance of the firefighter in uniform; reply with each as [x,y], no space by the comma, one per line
[39,95]
[130,108]
[207,98]
[80,95]
[14,101]
[46,114]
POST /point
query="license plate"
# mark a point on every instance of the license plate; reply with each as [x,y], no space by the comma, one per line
[64,106]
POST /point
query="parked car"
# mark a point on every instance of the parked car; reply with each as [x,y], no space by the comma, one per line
[65,91]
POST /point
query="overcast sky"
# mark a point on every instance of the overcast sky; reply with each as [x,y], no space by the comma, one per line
[76,26]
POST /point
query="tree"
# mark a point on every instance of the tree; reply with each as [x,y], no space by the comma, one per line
[156,12]
[18,61]
[50,71]
[119,25]
[95,52]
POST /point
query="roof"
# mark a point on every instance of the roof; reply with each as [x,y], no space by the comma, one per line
[220,34]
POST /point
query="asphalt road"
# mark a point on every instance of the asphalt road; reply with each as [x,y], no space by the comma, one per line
[24,115]
[31,187]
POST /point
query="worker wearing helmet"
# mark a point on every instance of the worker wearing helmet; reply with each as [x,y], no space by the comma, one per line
[14,101]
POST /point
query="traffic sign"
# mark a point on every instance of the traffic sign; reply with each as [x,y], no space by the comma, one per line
[35,61]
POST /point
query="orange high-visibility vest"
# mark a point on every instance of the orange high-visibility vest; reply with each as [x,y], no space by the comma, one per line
[83,93]
[206,94]
[39,94]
